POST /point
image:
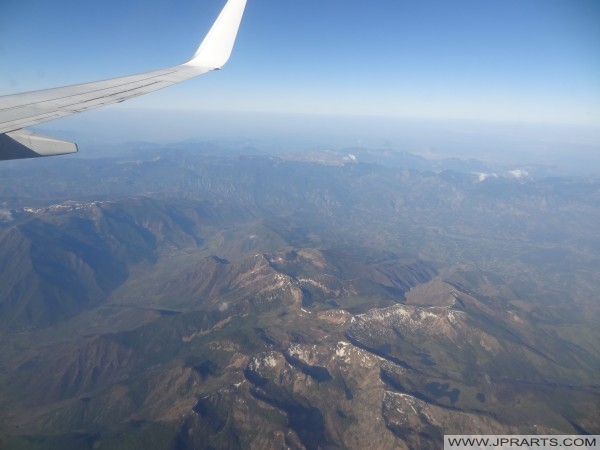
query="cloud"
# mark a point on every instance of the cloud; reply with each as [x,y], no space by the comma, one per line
[5,215]
[518,173]
[223,306]
[481,176]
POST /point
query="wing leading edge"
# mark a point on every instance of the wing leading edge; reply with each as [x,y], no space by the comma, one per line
[18,111]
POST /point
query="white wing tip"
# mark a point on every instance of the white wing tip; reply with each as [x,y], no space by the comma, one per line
[215,49]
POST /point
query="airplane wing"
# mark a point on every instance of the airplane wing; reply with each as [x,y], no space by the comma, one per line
[18,111]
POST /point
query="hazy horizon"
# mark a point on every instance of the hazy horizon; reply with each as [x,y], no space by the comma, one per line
[571,148]
[512,83]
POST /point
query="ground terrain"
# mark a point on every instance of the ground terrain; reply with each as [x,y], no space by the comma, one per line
[205,299]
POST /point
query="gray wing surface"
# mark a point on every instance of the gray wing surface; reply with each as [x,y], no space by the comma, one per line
[18,111]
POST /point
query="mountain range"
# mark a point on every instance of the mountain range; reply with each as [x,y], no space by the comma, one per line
[196,299]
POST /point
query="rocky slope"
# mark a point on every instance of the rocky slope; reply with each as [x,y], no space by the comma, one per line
[306,376]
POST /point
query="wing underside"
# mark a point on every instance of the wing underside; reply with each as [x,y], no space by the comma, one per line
[18,111]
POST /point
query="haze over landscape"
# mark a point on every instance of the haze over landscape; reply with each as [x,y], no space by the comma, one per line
[375,226]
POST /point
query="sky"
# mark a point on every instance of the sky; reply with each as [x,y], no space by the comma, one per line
[517,61]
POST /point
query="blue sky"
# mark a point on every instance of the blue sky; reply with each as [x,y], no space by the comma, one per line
[530,61]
